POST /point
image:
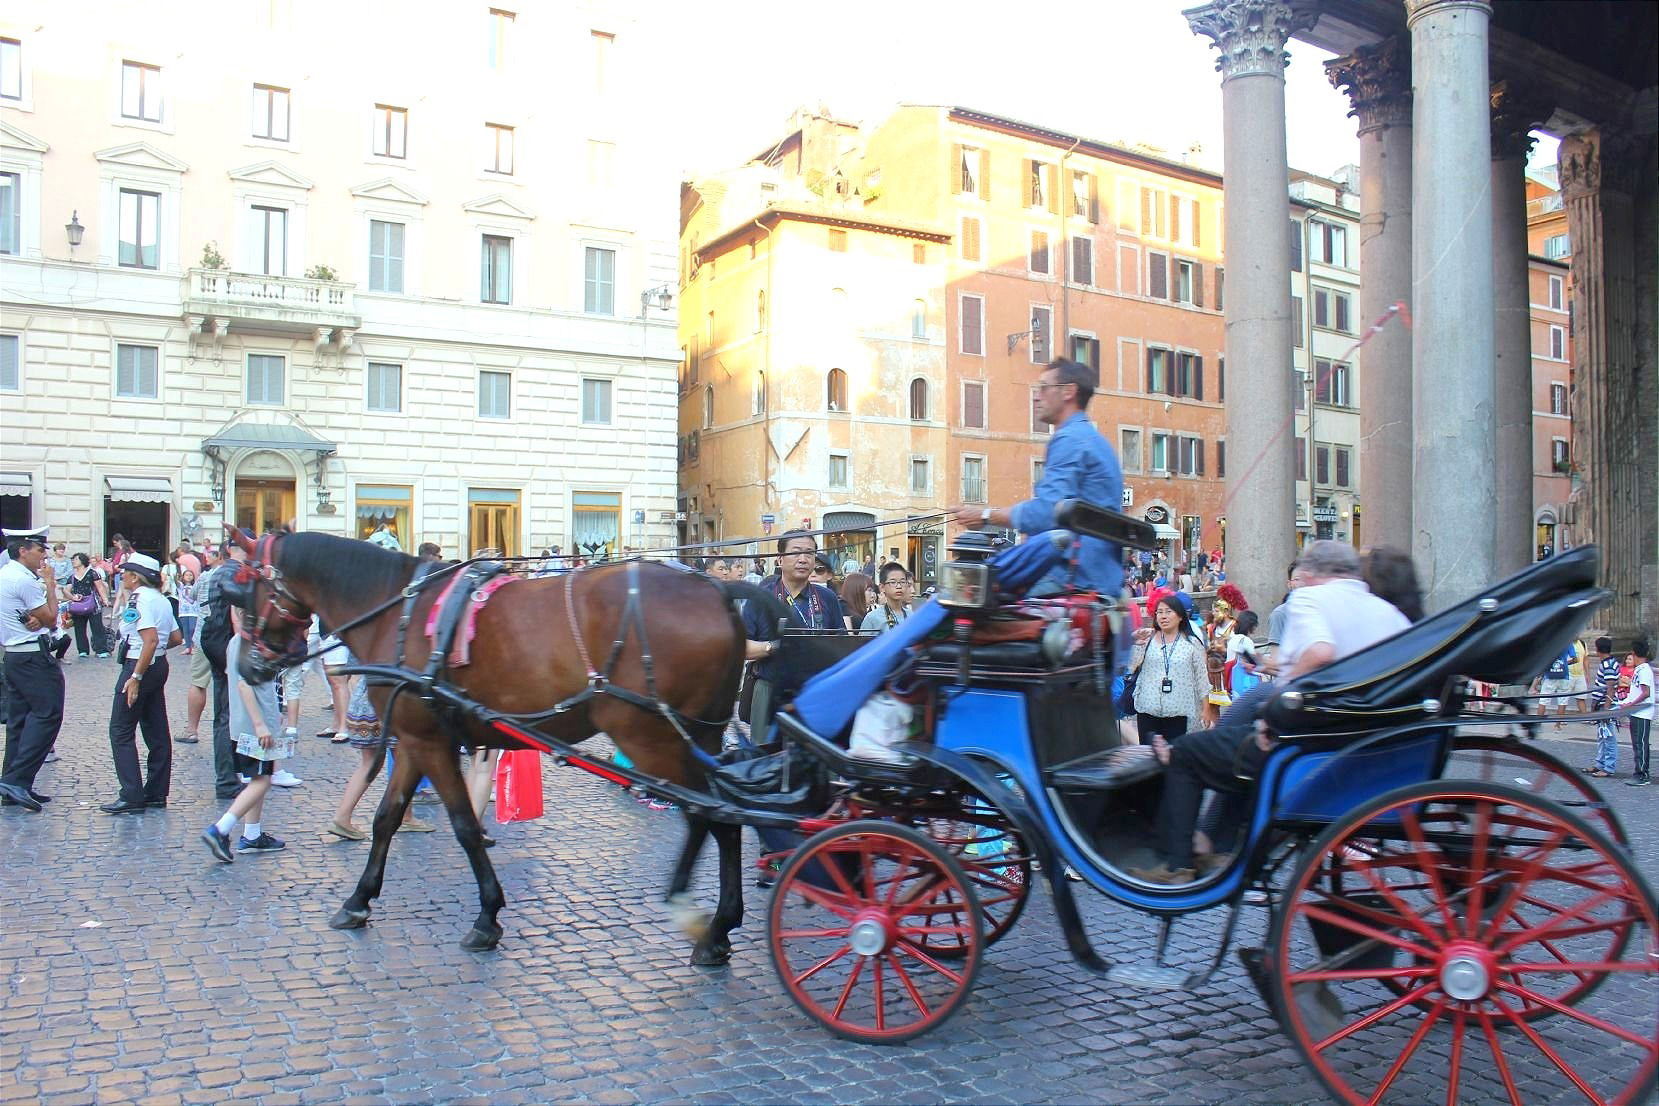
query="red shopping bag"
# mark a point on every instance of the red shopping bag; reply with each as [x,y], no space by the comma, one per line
[518,786]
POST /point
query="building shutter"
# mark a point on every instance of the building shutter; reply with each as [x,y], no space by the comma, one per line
[1157,271]
[1197,221]
[1198,449]
[956,167]
[1295,246]
[1198,378]
[1094,198]
[985,174]
[973,404]
[1197,284]
[1174,282]
[1052,192]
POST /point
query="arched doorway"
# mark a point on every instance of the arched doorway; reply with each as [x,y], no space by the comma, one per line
[1544,540]
[856,545]
[264,496]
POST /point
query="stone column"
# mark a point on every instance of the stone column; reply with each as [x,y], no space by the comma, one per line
[1261,482]
[1613,406]
[1453,422]
[1514,113]
[1378,82]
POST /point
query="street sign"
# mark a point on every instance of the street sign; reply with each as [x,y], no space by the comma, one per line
[768,519]
[639,518]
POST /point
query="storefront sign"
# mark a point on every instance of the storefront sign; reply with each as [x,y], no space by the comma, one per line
[1156,514]
[1128,496]
[1324,514]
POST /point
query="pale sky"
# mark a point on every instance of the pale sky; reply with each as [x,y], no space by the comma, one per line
[728,74]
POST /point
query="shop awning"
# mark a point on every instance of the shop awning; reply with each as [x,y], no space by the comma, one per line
[1165,531]
[260,435]
[16,483]
[138,489]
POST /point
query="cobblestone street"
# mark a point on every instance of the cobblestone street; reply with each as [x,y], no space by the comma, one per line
[137,968]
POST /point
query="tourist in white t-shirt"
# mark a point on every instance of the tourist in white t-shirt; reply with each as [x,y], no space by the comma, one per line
[1641,719]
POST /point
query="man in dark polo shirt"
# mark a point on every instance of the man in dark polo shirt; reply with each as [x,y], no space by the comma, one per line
[808,606]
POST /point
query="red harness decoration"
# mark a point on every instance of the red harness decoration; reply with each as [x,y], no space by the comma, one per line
[460,653]
[263,564]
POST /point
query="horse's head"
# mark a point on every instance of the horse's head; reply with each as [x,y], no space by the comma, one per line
[275,623]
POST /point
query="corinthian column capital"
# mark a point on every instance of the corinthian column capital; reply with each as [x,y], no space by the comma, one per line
[1251,34]
[1516,109]
[1416,9]
[1377,79]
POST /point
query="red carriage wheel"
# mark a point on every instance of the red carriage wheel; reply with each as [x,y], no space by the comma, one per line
[998,864]
[1514,762]
[849,925]
[1464,909]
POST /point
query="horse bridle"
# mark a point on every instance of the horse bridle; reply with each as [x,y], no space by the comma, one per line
[262,566]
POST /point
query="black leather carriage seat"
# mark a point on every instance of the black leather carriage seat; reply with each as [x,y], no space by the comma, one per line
[1000,654]
[1108,770]
[1507,634]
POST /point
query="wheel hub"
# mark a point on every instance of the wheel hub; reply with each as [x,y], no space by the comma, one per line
[1466,971]
[871,933]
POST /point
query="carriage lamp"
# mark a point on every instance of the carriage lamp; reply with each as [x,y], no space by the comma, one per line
[74,229]
[965,581]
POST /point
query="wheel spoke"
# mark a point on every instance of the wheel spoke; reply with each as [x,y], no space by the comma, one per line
[847,991]
[1549,1053]
[1477,872]
[1414,832]
[1335,975]
[1498,1057]
[1537,931]
[1405,913]
[830,860]
[826,899]
[1405,1055]
[1355,926]
[1375,1016]
[909,985]
[881,1000]
[1578,1015]
[1454,1065]
[915,950]
[822,964]
[838,931]
[1527,878]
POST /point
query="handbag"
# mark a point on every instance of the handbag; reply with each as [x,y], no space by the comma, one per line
[518,786]
[83,604]
[1123,691]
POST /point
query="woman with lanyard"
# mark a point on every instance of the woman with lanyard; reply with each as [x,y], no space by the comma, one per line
[146,631]
[1173,682]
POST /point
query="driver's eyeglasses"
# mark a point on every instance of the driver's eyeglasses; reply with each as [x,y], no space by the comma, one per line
[1045,384]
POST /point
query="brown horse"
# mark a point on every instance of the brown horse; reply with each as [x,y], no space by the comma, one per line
[524,660]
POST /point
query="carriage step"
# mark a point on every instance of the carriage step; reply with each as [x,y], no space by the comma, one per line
[1151,977]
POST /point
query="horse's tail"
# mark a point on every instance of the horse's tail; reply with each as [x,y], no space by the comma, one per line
[742,589]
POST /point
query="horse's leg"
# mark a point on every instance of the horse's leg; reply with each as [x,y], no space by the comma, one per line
[690,917]
[715,948]
[445,773]
[387,817]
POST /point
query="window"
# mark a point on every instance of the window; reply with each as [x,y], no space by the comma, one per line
[1129,449]
[270,112]
[970,238]
[921,475]
[918,319]
[1332,383]
[599,282]
[1329,243]
[1221,458]
[1557,292]
[1558,343]
[11,219]
[140,91]
[1221,378]
[391,131]
[1331,310]
[140,217]
[1157,272]
[1322,464]
[271,225]
[1042,336]
[1300,388]
[1086,350]
[498,149]
[1295,245]
[499,28]
[1301,458]
[1344,321]
[918,399]
[1160,453]
[1185,290]
[602,43]
[495,395]
[1082,260]
[385,387]
[1183,220]
[708,406]
[11,69]
[838,470]
[1159,378]
[493,520]
[1037,468]
[1038,193]
[1038,426]
[918,253]
[385,256]
[1344,472]
[1559,460]
[835,390]
[1558,399]
[973,479]
[1191,455]
[837,240]
[496,281]
[760,311]
[135,372]
[11,369]
[973,325]
[1154,213]
[596,401]
[1555,247]
[971,171]
[265,378]
[973,404]
[1189,375]
[389,503]
[1296,327]
[1039,252]
[1085,199]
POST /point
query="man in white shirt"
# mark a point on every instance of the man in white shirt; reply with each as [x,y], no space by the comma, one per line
[1330,615]
[147,630]
[1641,719]
[34,682]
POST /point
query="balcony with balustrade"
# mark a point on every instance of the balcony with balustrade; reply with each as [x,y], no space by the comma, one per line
[217,301]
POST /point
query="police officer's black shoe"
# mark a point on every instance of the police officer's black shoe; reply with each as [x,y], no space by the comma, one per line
[120,807]
[20,796]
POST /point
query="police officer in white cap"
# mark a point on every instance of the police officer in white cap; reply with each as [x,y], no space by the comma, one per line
[33,680]
[147,630]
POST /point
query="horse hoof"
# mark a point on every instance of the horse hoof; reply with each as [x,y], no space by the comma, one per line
[714,956]
[481,940]
[347,918]
[691,919]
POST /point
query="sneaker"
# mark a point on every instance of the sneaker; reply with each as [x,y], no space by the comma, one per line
[51,755]
[284,778]
[218,843]
[264,843]
[1638,781]
[241,779]
[103,656]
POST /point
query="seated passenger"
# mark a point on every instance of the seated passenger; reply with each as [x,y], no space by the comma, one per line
[1331,613]
[808,606]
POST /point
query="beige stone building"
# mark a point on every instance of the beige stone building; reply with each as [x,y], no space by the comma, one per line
[813,391]
[254,272]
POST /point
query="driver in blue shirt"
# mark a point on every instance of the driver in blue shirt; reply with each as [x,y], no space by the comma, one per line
[1079,464]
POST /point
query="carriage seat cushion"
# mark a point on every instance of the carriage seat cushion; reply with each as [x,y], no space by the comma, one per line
[1002,654]
[1108,770]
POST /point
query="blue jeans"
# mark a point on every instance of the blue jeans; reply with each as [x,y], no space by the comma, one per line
[1607,745]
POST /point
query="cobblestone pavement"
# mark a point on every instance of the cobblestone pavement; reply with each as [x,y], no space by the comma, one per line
[138,969]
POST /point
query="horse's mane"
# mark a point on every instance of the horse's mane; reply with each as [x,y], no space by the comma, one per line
[343,569]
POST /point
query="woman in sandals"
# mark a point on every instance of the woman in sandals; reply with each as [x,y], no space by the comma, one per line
[371,740]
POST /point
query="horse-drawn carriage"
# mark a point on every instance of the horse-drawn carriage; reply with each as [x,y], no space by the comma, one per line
[1481,932]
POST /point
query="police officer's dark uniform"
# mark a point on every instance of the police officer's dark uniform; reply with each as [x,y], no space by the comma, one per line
[34,681]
